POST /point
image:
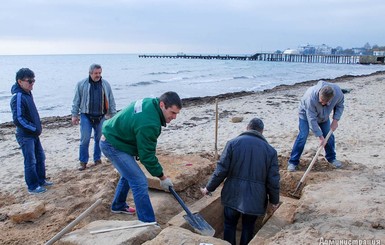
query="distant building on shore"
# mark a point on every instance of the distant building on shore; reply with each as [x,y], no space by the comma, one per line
[291,51]
[359,51]
[371,59]
[311,50]
[322,49]
[378,53]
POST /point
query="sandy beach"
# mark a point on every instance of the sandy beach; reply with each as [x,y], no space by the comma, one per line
[347,203]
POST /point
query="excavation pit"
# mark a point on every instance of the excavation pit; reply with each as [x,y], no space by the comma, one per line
[210,208]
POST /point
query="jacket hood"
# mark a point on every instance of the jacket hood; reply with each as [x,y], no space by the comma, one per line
[16,89]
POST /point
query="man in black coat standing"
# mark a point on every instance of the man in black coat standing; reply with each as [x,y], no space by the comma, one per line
[250,166]
[28,129]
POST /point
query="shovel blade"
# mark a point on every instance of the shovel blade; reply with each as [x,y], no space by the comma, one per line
[295,194]
[199,224]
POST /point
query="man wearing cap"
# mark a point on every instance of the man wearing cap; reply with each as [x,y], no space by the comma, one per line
[250,166]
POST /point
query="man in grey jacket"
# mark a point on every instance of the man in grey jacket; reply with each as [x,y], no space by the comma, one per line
[250,166]
[316,105]
[94,102]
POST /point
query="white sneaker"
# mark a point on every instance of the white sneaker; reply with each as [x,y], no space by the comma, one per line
[38,190]
[336,163]
[291,167]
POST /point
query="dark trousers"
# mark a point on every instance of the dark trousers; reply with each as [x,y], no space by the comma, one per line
[34,161]
[300,142]
[231,221]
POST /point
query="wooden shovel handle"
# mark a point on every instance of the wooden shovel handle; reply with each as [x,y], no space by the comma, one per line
[315,157]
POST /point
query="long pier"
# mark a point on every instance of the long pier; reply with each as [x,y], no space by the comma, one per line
[308,58]
[205,57]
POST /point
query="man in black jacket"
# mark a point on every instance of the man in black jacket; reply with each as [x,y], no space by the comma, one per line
[250,166]
[28,129]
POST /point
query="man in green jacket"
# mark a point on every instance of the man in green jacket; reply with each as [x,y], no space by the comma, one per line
[131,133]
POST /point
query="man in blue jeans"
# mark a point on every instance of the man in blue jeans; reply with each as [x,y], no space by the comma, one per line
[132,133]
[250,166]
[94,102]
[28,129]
[316,105]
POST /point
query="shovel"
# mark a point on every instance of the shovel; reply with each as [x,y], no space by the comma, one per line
[195,220]
[295,194]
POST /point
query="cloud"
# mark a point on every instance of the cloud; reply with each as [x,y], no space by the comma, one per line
[229,26]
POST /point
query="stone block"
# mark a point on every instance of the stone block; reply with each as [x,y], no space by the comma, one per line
[283,216]
[28,211]
[175,236]
[132,236]
[184,171]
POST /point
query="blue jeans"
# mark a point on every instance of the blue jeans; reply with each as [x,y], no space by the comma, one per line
[131,177]
[86,127]
[34,161]
[300,142]
[230,226]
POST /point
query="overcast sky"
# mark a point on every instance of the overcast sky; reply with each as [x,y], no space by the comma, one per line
[188,26]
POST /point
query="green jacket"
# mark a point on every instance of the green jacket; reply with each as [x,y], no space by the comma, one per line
[135,130]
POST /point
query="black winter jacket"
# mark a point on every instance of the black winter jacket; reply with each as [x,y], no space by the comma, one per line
[24,113]
[250,166]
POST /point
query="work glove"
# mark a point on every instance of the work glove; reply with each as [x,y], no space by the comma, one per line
[166,183]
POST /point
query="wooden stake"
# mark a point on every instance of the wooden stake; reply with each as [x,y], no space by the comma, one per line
[216,129]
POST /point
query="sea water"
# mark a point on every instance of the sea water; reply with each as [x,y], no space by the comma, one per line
[133,78]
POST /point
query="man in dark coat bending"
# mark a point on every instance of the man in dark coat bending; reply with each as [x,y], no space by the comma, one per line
[250,166]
